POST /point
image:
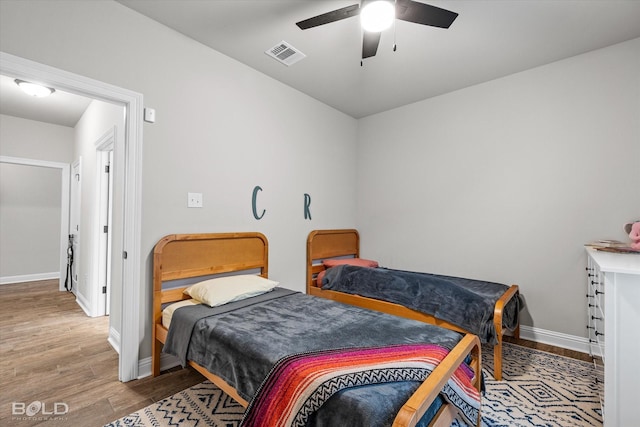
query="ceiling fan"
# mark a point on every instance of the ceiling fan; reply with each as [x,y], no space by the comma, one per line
[406,10]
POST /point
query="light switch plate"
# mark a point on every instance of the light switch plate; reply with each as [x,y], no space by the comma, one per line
[149,115]
[194,200]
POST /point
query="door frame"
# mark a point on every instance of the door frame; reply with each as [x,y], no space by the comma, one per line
[131,153]
[103,145]
[64,204]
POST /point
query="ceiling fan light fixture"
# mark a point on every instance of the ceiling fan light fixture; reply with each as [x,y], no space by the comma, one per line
[377,16]
[34,89]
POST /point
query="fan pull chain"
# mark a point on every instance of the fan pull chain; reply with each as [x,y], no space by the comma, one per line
[395,26]
[395,46]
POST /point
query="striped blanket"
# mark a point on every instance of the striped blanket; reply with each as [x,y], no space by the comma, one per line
[299,384]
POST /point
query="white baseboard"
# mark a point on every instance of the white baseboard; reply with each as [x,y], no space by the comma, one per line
[558,339]
[114,339]
[29,278]
[166,362]
[83,303]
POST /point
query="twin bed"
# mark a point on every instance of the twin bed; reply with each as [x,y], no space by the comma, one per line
[486,309]
[407,372]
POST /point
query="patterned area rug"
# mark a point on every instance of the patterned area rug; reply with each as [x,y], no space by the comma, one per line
[198,406]
[539,389]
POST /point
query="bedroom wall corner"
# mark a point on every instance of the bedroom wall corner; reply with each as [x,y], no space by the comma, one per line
[507,180]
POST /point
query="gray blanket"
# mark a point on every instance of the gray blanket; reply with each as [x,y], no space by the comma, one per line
[466,303]
[242,345]
[185,318]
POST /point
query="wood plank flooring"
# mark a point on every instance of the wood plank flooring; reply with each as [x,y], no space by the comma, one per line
[550,349]
[50,351]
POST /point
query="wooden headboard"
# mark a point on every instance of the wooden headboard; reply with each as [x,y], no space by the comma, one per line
[322,244]
[184,256]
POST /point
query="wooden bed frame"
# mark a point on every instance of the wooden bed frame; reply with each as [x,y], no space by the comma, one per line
[187,256]
[323,244]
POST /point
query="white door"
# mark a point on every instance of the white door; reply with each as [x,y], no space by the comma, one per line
[109,234]
[105,205]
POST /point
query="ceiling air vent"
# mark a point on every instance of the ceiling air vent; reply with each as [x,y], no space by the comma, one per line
[285,53]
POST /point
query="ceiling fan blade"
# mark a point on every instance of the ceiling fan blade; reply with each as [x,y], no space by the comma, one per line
[326,18]
[370,43]
[420,13]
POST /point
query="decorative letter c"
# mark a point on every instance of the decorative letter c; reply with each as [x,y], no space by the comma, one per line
[253,203]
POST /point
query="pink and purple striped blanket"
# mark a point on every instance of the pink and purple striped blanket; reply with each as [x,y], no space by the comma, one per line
[299,384]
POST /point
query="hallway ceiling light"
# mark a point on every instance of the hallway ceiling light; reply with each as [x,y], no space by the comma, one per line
[34,89]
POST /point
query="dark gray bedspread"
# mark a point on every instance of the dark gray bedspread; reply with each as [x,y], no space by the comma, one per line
[242,345]
[466,303]
[179,334]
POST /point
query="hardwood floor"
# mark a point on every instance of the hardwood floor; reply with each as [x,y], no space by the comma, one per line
[51,352]
[550,349]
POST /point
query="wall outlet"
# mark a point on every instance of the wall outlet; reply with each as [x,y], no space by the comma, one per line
[194,200]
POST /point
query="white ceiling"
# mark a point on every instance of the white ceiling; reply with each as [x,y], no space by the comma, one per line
[489,39]
[60,108]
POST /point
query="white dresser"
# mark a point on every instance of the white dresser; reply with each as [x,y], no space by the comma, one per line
[613,295]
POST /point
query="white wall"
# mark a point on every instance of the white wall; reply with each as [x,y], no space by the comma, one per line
[29,222]
[35,140]
[505,181]
[99,118]
[221,129]
[30,198]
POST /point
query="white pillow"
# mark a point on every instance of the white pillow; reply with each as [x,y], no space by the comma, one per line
[222,290]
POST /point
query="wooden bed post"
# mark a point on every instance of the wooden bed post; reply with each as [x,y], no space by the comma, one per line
[419,403]
[156,345]
[497,323]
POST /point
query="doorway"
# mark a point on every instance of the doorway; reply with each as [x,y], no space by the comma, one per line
[64,203]
[128,180]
